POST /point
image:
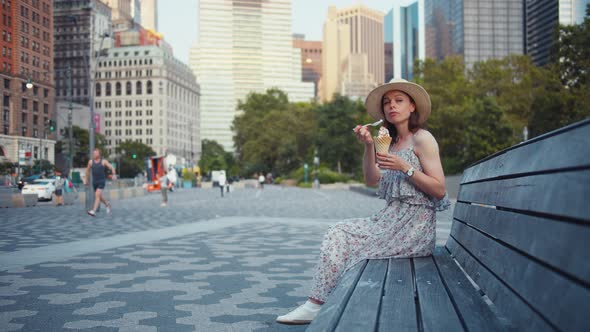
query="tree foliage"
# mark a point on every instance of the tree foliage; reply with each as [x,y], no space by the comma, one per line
[213,157]
[128,166]
[271,134]
[81,145]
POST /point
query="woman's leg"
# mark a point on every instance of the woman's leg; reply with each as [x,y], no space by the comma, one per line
[337,250]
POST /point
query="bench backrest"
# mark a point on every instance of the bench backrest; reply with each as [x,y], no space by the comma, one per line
[521,230]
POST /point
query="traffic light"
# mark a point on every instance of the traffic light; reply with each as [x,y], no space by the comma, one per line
[50,124]
[134,156]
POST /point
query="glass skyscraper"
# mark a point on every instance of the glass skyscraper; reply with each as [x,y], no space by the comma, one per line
[477,30]
[403,29]
[542,18]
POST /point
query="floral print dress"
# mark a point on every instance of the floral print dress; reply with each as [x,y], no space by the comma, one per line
[405,227]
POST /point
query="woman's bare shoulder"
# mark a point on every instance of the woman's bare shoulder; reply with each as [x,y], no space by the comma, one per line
[424,138]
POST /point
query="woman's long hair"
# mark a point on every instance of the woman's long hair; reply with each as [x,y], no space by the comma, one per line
[414,123]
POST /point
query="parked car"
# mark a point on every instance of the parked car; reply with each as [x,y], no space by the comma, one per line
[44,188]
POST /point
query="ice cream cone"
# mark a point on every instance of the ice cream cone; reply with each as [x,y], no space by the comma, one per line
[382,144]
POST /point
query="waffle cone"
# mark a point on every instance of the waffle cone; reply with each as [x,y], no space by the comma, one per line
[382,144]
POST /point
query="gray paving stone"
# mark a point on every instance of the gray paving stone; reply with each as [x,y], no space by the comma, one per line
[204,263]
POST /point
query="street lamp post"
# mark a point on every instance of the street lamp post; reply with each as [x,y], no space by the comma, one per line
[316,165]
[91,106]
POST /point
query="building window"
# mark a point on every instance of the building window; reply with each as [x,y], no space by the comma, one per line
[98,89]
[118,89]
[24,131]
[35,106]
[108,89]
[128,88]
[6,101]
[45,93]
[45,108]
[25,104]
[138,88]
[149,87]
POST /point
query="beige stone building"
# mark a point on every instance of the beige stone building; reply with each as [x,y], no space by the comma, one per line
[353,52]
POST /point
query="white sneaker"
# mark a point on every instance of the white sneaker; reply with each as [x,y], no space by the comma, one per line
[304,314]
[91,212]
[163,205]
[109,208]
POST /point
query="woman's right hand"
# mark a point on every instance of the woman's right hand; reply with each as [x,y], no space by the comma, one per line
[363,135]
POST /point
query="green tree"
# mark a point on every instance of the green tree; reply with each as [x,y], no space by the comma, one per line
[571,53]
[81,145]
[511,80]
[214,157]
[337,145]
[272,134]
[129,166]
[488,130]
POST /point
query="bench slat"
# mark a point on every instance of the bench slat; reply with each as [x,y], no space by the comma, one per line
[329,315]
[539,237]
[562,301]
[561,194]
[362,309]
[569,148]
[516,313]
[398,310]
[475,313]
[436,309]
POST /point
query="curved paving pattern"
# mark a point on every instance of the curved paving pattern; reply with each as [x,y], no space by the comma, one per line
[235,269]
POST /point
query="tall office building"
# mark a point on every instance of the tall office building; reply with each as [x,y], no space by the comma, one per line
[136,11]
[149,14]
[388,45]
[542,19]
[492,29]
[79,29]
[438,26]
[27,57]
[353,52]
[121,13]
[145,94]
[481,29]
[311,60]
[405,29]
[243,46]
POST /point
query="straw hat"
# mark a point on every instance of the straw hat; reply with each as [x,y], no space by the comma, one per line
[417,92]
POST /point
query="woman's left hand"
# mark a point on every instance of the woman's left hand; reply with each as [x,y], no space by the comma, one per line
[392,162]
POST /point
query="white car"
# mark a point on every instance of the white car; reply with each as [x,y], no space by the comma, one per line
[44,188]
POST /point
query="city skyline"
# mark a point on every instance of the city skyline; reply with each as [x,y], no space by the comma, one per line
[308,19]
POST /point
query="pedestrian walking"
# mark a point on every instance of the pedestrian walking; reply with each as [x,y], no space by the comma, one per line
[164,185]
[261,180]
[98,167]
[60,184]
[222,180]
[411,181]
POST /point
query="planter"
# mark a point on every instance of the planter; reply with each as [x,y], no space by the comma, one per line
[187,184]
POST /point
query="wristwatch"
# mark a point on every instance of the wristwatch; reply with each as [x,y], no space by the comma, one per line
[410,172]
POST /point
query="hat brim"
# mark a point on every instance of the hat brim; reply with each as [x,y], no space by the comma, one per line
[417,92]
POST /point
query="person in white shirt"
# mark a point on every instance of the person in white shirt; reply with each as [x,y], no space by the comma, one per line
[222,181]
[261,180]
[164,182]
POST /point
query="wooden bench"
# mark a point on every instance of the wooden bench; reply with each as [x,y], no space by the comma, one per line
[517,258]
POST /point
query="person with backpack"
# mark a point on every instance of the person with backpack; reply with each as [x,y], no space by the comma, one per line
[59,188]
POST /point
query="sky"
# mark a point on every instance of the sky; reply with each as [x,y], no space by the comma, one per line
[178,19]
